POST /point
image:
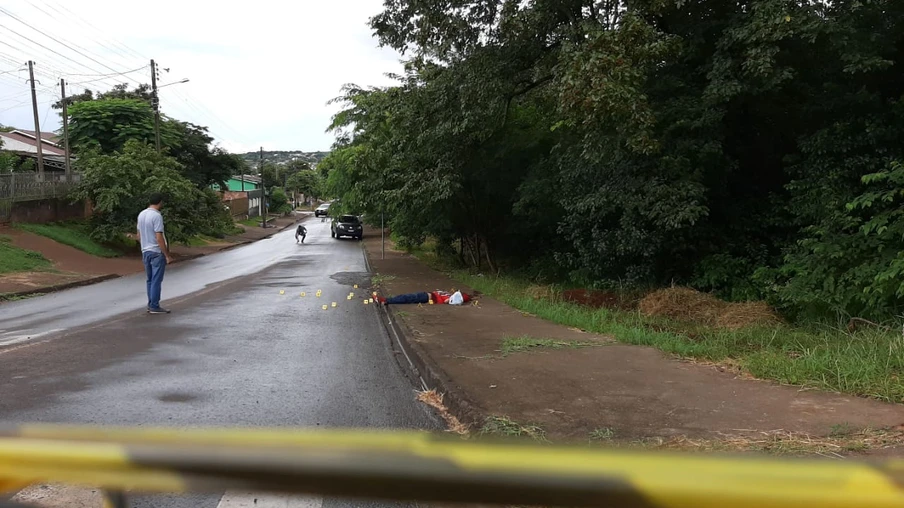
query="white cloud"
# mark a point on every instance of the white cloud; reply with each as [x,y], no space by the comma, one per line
[260,73]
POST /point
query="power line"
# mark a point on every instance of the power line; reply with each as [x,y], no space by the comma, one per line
[88,24]
[55,40]
[66,58]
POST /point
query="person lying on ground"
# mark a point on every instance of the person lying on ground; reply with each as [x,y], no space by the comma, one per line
[437,297]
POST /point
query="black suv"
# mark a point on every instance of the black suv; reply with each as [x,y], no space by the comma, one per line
[347,225]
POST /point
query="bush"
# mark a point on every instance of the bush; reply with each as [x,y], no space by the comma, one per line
[120,183]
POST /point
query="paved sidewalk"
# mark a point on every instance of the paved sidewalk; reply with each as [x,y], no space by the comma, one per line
[637,392]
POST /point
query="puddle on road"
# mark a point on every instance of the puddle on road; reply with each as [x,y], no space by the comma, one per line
[362,279]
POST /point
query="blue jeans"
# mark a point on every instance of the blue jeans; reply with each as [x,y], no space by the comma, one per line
[409,298]
[154,266]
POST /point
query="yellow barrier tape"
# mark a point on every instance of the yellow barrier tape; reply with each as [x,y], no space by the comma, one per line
[424,467]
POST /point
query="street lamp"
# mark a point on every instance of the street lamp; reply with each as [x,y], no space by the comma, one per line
[173,83]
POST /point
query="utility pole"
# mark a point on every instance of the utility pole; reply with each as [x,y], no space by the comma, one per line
[156,104]
[263,189]
[65,130]
[34,107]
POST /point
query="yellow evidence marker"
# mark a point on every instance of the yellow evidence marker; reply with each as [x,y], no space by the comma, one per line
[303,294]
[365,302]
[282,291]
[356,286]
[334,304]
[349,297]
[324,307]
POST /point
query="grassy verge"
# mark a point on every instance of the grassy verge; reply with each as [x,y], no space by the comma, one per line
[523,344]
[255,222]
[867,363]
[13,259]
[71,234]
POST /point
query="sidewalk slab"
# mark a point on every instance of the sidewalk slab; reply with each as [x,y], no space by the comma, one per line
[636,391]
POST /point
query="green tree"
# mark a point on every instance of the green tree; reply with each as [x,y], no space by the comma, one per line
[106,125]
[119,184]
[305,182]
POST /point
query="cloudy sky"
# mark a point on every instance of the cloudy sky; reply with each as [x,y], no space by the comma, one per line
[260,73]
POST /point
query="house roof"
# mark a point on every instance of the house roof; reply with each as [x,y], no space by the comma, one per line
[15,141]
[48,137]
[248,178]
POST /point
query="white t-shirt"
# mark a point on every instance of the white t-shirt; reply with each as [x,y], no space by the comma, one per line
[150,222]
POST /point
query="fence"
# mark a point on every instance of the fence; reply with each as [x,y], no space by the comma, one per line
[18,187]
[29,186]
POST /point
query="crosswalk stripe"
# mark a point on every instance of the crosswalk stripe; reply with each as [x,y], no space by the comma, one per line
[250,500]
[68,496]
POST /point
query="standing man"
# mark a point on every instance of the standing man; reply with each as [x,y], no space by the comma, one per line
[154,250]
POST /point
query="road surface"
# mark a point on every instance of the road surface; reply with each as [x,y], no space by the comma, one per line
[234,352]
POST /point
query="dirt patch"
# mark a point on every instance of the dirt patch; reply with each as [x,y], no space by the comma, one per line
[27,281]
[599,299]
[634,392]
[689,305]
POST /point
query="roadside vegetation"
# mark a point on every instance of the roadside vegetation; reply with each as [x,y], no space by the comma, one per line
[13,259]
[751,150]
[867,361]
[73,234]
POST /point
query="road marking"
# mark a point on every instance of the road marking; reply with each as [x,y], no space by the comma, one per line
[69,496]
[59,496]
[16,339]
[249,500]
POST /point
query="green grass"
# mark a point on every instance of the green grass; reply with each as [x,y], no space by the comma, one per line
[506,427]
[867,363]
[522,344]
[72,234]
[254,222]
[602,434]
[13,259]
[9,297]
[378,279]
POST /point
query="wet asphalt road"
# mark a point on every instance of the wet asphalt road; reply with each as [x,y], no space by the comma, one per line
[234,352]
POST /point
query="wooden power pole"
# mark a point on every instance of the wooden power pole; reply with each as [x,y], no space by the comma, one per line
[156,104]
[65,129]
[34,107]
[263,189]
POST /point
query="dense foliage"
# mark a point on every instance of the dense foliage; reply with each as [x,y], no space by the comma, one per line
[113,134]
[119,184]
[746,147]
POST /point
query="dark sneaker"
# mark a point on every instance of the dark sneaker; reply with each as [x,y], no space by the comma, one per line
[159,310]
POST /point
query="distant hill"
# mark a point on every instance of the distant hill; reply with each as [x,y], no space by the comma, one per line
[283,157]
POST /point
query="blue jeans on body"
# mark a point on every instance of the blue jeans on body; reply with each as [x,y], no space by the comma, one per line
[154,266]
[409,298]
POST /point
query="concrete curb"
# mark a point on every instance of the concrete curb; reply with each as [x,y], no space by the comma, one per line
[424,368]
[61,287]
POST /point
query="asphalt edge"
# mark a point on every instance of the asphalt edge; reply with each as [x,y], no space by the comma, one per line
[59,287]
[429,374]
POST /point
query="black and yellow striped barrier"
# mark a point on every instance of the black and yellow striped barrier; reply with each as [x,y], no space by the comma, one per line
[424,467]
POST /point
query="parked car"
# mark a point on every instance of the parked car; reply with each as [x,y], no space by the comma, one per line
[322,210]
[347,225]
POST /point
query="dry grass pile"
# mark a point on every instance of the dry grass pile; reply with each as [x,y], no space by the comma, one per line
[781,442]
[542,293]
[435,400]
[685,304]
